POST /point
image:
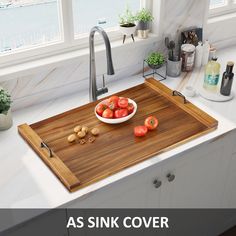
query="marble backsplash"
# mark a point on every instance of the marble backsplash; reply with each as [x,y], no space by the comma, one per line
[73,77]
[55,81]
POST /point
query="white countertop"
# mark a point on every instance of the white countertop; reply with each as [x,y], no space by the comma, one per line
[26,182]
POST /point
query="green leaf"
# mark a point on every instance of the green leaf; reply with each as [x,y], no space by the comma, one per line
[155,58]
[5,101]
[144,15]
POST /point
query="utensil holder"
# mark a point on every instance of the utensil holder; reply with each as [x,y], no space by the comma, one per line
[174,67]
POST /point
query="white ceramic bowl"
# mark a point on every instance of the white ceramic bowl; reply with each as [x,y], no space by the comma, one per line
[117,120]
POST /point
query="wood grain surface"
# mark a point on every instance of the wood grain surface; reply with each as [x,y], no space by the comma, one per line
[116,148]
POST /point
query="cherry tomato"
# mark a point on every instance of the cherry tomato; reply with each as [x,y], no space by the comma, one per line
[101,108]
[121,113]
[140,131]
[123,102]
[108,113]
[151,122]
[130,108]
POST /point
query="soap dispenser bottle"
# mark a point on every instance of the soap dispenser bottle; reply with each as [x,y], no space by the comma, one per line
[227,79]
[212,75]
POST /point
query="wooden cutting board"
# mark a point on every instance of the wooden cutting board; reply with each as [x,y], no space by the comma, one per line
[116,148]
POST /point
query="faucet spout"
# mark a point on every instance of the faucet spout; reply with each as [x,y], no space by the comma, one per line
[94,92]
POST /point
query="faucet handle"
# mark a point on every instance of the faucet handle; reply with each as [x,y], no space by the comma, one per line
[104,89]
[103,81]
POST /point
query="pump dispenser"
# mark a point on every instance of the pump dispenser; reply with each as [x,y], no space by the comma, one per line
[227,79]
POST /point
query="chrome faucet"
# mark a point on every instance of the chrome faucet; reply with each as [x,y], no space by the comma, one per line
[94,92]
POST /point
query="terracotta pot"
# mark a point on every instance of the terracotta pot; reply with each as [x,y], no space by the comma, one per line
[6,121]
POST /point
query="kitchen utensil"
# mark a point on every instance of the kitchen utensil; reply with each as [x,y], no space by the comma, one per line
[167,42]
[172,47]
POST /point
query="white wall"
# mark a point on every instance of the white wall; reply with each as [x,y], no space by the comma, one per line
[221,30]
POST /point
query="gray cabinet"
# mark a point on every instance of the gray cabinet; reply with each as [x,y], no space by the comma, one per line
[230,190]
[199,178]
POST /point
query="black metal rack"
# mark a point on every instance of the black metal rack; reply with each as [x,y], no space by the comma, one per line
[156,73]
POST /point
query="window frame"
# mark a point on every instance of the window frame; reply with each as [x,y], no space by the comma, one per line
[229,7]
[69,42]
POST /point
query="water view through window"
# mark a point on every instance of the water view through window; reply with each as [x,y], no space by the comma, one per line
[217,3]
[103,12]
[25,23]
[30,22]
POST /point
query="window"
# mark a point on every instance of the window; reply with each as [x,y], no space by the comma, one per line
[25,24]
[36,28]
[220,7]
[217,3]
[103,12]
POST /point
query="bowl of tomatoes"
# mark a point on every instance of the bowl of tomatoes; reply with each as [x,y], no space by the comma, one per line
[115,110]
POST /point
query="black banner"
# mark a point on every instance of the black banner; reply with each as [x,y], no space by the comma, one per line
[112,222]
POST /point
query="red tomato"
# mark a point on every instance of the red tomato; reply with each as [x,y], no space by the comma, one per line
[123,102]
[113,105]
[101,108]
[130,108]
[113,99]
[121,113]
[108,113]
[113,102]
[106,102]
[140,131]
[151,122]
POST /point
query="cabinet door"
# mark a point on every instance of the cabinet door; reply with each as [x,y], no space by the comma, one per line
[230,191]
[135,191]
[199,183]
[199,178]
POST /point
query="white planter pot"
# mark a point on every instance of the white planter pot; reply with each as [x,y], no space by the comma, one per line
[128,30]
[6,121]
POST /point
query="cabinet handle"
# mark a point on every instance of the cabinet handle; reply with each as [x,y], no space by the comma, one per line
[157,183]
[170,177]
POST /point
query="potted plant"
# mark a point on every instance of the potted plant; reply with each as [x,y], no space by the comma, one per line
[5,112]
[155,60]
[127,23]
[143,17]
